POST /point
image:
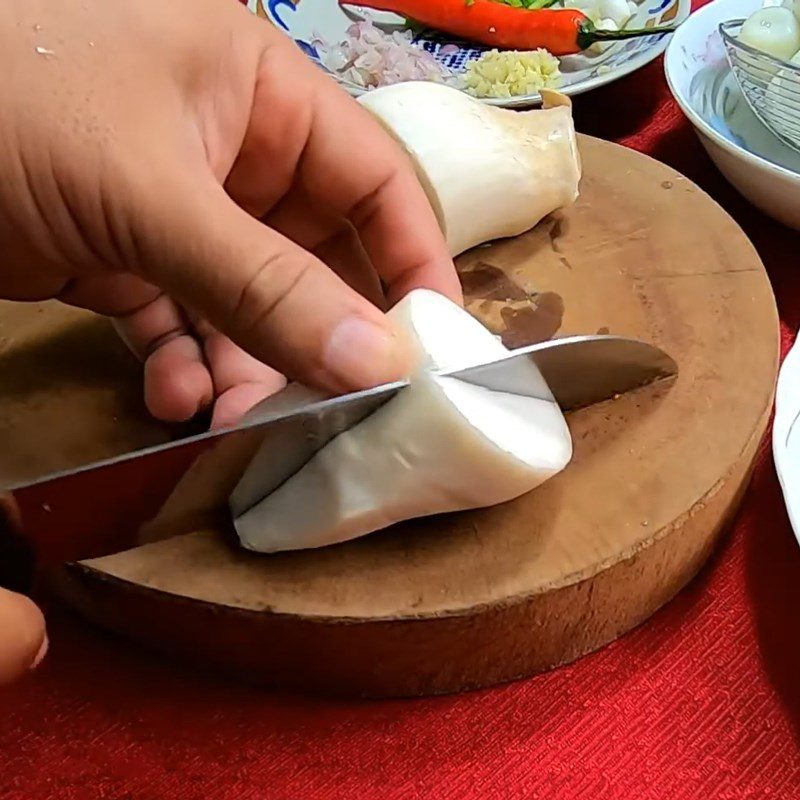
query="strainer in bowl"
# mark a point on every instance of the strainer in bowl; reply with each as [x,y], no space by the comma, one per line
[770,85]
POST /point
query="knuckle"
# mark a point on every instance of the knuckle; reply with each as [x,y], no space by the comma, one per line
[366,208]
[266,291]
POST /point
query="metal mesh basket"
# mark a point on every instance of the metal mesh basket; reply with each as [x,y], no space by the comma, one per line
[770,85]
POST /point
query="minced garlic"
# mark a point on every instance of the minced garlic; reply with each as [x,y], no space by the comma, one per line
[511,73]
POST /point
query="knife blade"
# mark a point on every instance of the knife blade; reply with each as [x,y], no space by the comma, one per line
[579,370]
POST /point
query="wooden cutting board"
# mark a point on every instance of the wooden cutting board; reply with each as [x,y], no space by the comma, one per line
[465,600]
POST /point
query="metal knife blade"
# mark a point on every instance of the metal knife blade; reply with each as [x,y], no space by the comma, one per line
[580,371]
[577,371]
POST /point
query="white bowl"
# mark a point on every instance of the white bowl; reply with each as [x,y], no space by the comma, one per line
[762,168]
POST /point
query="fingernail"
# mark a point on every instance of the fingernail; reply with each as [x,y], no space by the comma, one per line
[42,652]
[361,354]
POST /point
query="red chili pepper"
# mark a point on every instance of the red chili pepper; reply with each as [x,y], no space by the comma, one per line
[561,31]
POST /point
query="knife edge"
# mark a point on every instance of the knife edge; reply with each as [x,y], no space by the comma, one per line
[575,382]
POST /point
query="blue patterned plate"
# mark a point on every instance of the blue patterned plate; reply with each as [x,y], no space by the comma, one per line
[307,20]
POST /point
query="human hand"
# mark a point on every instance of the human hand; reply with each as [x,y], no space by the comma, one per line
[23,642]
[140,142]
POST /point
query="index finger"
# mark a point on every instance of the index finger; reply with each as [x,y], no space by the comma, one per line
[351,165]
[377,190]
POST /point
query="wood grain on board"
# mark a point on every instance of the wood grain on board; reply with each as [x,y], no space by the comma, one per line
[464,600]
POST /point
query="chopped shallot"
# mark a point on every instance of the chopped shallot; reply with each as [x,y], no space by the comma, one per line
[369,58]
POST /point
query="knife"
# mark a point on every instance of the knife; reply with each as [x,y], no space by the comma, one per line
[579,370]
[286,431]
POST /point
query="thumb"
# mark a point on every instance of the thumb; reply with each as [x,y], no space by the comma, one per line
[277,301]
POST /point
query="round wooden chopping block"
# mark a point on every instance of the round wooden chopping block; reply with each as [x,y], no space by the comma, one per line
[466,600]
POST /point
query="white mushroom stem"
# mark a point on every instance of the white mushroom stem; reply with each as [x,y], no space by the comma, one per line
[489,172]
[440,445]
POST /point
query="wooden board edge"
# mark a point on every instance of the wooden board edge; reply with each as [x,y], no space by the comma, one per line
[408,657]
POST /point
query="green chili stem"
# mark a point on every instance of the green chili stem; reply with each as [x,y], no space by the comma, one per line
[589,35]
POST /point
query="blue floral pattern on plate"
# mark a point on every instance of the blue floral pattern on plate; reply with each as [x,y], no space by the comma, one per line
[305,20]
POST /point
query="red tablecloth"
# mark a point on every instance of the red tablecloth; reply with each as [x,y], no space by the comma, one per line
[701,702]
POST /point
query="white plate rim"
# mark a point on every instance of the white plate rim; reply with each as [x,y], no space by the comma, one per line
[637,62]
[787,414]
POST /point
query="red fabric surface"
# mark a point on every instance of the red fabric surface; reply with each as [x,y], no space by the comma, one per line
[701,702]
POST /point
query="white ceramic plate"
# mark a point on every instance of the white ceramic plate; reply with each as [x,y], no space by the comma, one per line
[786,435]
[306,20]
[759,166]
